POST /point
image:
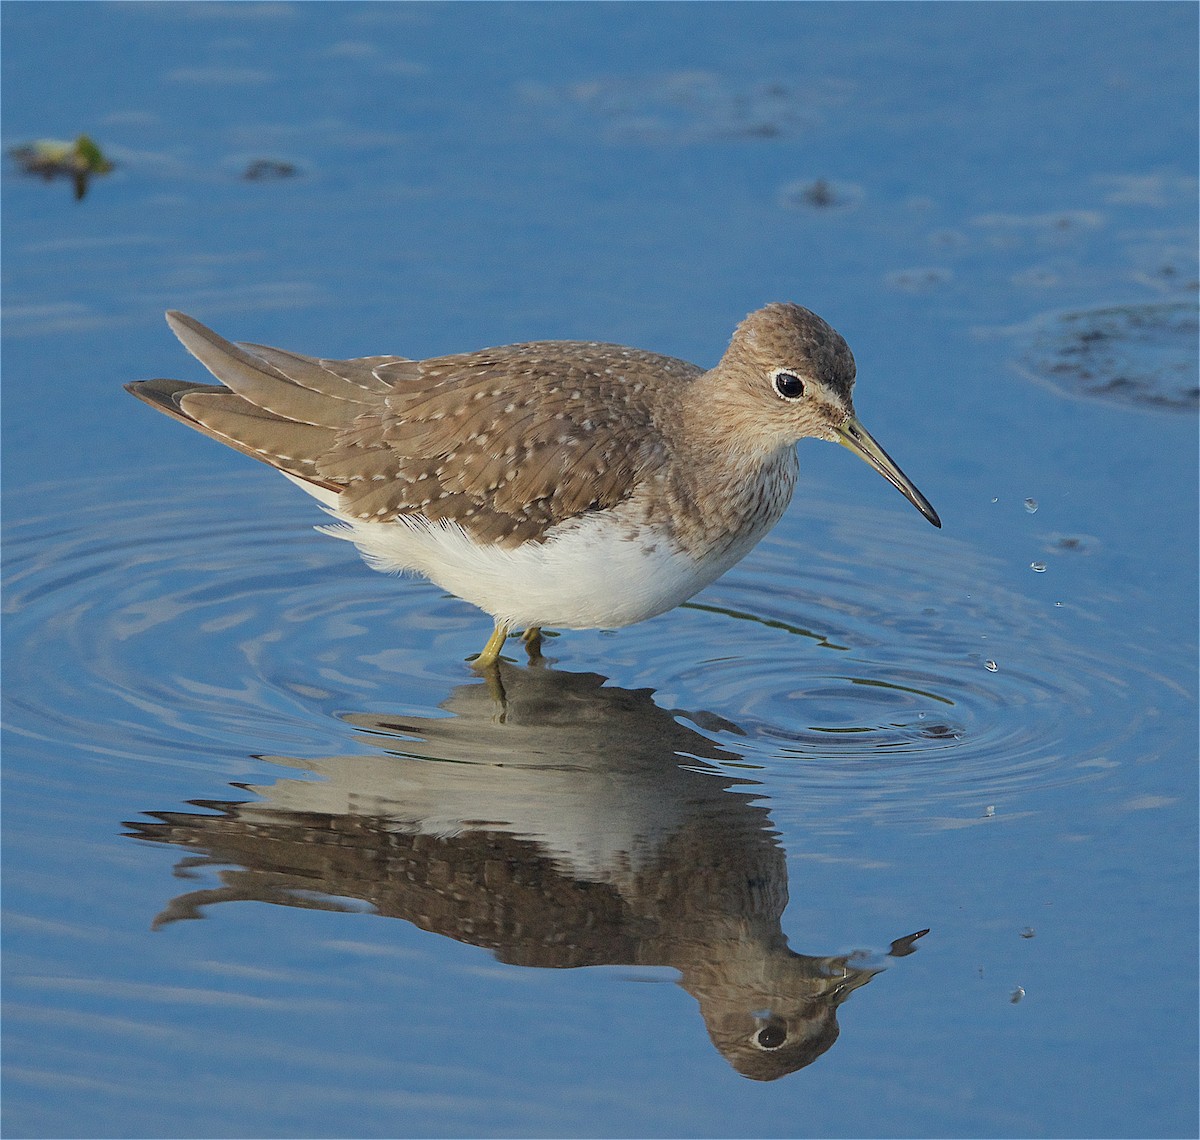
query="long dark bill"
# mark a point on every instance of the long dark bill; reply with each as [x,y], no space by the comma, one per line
[853,436]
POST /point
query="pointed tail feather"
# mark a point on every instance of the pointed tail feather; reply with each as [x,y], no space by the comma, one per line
[224,416]
[284,384]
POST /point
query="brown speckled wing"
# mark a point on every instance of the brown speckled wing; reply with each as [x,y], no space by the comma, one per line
[505,442]
[510,441]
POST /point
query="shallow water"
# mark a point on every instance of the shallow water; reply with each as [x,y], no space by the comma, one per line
[900,824]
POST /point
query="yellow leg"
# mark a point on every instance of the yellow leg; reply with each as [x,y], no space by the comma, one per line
[533,642]
[491,651]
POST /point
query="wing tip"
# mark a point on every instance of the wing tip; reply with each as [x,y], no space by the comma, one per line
[166,395]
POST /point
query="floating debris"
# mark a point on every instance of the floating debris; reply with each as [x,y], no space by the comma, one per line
[269,169]
[821,194]
[1017,995]
[49,159]
[989,812]
[1038,567]
[1031,505]
[1133,354]
[1028,932]
[990,666]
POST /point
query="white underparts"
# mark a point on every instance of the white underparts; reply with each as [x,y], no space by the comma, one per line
[598,571]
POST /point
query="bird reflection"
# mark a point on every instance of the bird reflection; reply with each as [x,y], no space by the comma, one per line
[557,822]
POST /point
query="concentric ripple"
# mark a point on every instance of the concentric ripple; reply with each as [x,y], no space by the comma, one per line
[201,616]
[203,622]
[882,681]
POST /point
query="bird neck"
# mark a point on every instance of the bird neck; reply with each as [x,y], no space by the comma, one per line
[719,422]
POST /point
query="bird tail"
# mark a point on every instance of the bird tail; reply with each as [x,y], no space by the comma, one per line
[278,407]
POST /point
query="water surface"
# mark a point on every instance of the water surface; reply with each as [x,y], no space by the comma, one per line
[888,832]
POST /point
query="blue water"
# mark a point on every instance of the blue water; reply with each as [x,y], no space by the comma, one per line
[278,863]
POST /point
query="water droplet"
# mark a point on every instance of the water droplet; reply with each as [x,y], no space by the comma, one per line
[1017,995]
[1031,505]
[991,666]
[1038,567]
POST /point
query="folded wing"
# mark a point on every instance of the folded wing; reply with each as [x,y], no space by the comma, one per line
[503,442]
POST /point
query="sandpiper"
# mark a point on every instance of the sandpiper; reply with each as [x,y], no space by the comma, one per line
[554,483]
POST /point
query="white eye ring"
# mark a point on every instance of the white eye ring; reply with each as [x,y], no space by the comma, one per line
[770,1037]
[788,386]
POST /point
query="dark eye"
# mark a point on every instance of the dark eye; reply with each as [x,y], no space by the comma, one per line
[789,385]
[770,1037]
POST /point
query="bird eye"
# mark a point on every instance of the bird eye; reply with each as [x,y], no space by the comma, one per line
[770,1037]
[789,385]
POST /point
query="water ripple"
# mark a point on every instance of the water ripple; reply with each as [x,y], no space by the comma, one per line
[178,627]
[155,620]
[931,690]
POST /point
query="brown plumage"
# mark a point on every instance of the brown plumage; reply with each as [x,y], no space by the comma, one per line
[505,442]
[570,483]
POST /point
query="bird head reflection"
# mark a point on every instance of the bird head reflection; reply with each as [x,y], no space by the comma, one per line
[570,824]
